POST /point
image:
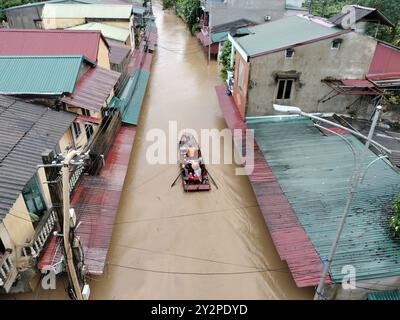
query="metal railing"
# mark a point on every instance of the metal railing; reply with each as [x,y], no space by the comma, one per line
[43,231]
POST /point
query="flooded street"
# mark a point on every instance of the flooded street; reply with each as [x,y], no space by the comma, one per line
[168,244]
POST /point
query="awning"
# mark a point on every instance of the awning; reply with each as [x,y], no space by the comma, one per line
[205,40]
[93,89]
[87,120]
[353,87]
[386,80]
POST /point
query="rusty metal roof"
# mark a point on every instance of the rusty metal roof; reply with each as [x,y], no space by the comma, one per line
[118,52]
[26,131]
[50,42]
[93,89]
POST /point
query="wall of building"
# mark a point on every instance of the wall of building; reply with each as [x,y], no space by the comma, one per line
[50,24]
[240,96]
[25,18]
[103,58]
[66,140]
[313,62]
[18,223]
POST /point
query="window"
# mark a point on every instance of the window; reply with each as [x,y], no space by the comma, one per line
[2,247]
[85,112]
[89,130]
[240,76]
[33,197]
[284,89]
[336,44]
[289,53]
[77,129]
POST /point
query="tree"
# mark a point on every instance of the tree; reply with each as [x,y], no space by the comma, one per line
[168,4]
[188,11]
[226,60]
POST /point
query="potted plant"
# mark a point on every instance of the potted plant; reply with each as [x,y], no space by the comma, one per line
[394,222]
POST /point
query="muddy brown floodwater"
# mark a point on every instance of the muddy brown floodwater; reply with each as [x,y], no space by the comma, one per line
[168,244]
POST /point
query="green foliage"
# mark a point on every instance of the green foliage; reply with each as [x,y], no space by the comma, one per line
[188,10]
[196,28]
[390,8]
[395,220]
[226,60]
[4,4]
[392,99]
[167,4]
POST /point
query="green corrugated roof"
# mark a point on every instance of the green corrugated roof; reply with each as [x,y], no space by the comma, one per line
[107,31]
[314,172]
[132,112]
[131,99]
[39,74]
[223,36]
[393,295]
[283,33]
[100,11]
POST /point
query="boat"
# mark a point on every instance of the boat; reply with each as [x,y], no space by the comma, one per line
[194,174]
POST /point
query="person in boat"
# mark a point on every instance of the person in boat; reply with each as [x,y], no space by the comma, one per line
[191,151]
[197,171]
[185,172]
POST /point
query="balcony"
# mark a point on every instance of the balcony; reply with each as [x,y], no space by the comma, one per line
[8,272]
[43,231]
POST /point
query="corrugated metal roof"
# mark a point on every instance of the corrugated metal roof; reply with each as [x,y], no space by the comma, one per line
[292,31]
[42,3]
[386,60]
[314,171]
[93,89]
[49,42]
[290,239]
[111,32]
[118,52]
[99,11]
[363,14]
[39,74]
[131,113]
[393,295]
[26,131]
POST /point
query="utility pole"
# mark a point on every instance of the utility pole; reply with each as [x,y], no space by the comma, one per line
[66,163]
[209,34]
[66,228]
[357,179]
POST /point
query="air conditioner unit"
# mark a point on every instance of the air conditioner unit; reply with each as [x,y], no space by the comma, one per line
[267,18]
[72,218]
[86,292]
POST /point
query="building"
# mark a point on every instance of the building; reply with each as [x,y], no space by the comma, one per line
[90,44]
[120,47]
[26,210]
[29,16]
[312,168]
[313,64]
[61,16]
[69,82]
[219,17]
[109,32]
[301,179]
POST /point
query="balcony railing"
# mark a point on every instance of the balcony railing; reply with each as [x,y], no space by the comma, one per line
[43,231]
[8,271]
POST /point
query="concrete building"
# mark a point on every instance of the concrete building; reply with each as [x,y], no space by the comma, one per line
[304,61]
[218,17]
